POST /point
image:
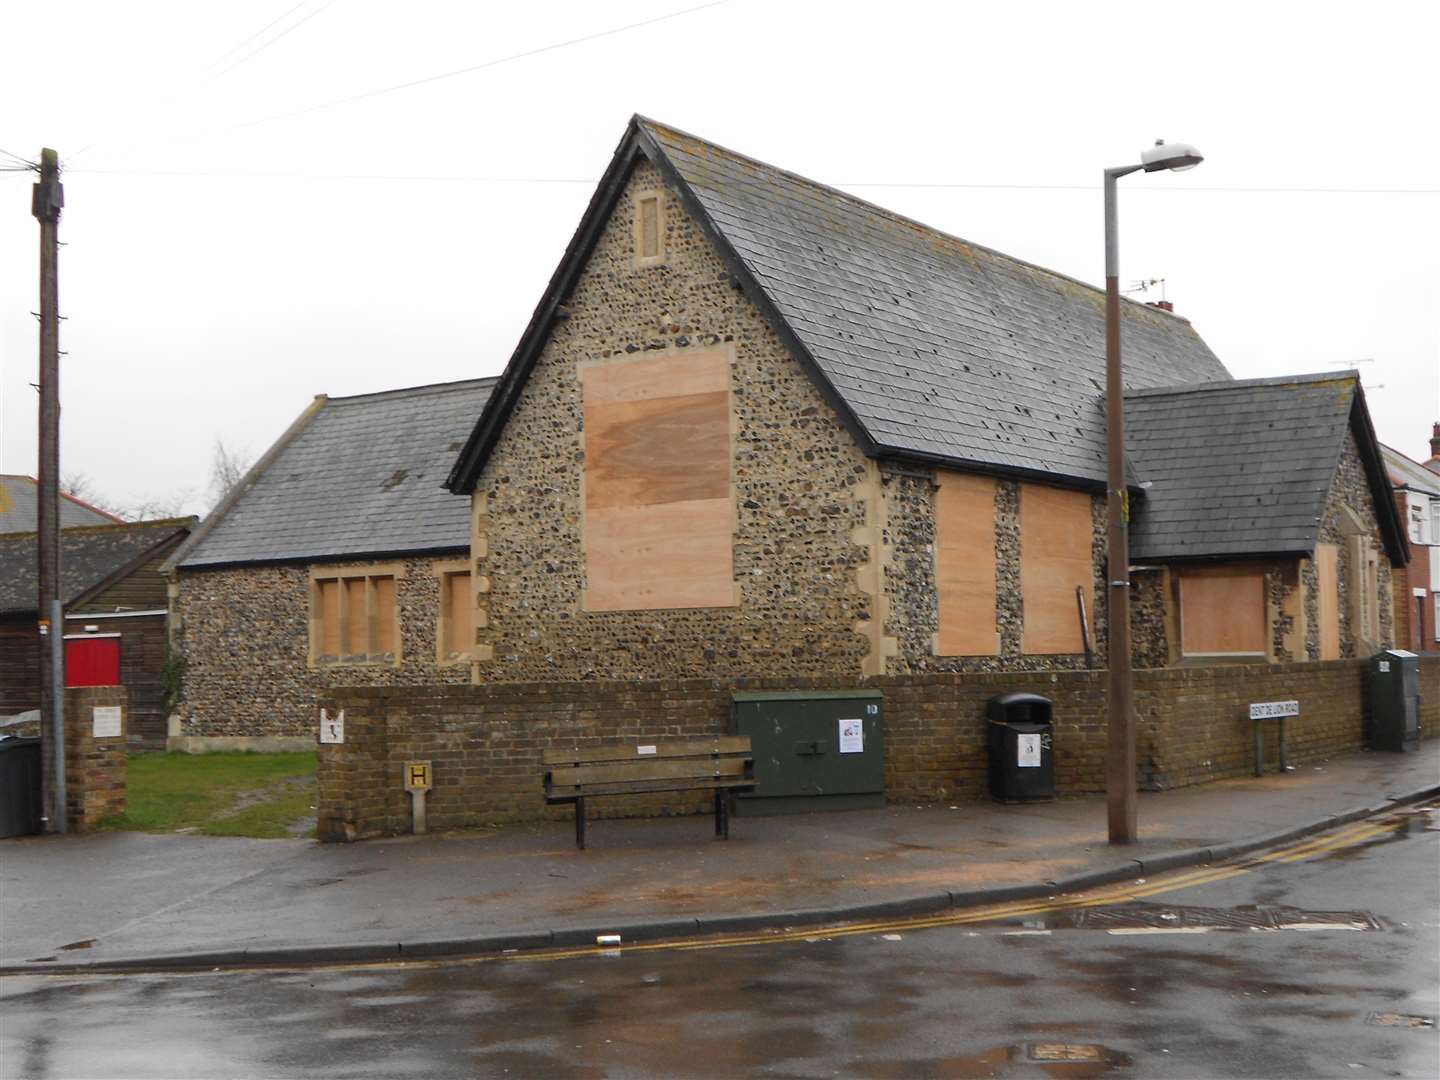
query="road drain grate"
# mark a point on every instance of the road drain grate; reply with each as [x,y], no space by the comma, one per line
[1066,1052]
[1403,1020]
[1175,917]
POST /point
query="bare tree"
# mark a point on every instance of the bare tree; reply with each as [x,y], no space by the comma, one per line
[228,467]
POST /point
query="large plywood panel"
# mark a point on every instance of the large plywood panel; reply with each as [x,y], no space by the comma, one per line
[667,555]
[460,613]
[673,375]
[1327,566]
[328,597]
[1222,610]
[659,517]
[965,565]
[1055,558]
[357,617]
[660,450]
[384,614]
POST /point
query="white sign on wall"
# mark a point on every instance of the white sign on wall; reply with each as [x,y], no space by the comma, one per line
[1269,710]
[852,736]
[332,728]
[106,721]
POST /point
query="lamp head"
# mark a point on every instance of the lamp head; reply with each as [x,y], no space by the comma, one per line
[1177,157]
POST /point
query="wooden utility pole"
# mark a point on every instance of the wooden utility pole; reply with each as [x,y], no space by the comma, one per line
[47,197]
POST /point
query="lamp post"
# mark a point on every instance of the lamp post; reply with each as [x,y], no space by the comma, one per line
[1120,738]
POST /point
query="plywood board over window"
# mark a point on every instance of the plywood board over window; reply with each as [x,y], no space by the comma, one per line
[1222,611]
[353,616]
[659,507]
[965,565]
[1327,571]
[1055,560]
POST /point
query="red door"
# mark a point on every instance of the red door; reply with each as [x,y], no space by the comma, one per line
[92,661]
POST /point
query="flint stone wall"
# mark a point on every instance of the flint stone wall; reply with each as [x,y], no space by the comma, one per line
[245,635]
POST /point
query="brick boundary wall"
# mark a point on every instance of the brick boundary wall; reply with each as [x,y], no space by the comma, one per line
[96,770]
[485,742]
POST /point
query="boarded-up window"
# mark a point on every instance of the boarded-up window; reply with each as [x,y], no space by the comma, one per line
[1055,559]
[659,516]
[1364,593]
[1222,611]
[457,615]
[965,565]
[353,616]
[649,229]
[1327,567]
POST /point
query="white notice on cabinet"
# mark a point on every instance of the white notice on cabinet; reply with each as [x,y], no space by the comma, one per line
[852,736]
[107,721]
[1027,752]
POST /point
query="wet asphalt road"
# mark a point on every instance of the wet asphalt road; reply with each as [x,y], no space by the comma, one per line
[959,1001]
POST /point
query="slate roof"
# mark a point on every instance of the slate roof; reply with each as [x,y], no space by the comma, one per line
[930,347]
[19,510]
[354,476]
[89,555]
[1243,468]
[1406,472]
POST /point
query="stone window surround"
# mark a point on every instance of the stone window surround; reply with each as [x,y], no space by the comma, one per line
[445,656]
[395,571]
[643,260]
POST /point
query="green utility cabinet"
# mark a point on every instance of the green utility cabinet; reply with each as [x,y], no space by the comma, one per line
[814,749]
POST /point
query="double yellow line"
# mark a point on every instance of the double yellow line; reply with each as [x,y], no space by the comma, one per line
[1119,893]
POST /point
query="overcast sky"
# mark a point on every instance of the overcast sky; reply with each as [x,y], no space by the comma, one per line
[225,265]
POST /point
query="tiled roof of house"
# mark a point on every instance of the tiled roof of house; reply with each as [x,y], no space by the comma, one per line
[1409,473]
[89,554]
[354,476]
[19,511]
[928,346]
[1241,468]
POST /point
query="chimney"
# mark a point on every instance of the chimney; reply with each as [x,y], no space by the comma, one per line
[1435,442]
[1166,305]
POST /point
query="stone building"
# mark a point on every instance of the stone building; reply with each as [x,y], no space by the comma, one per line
[759,427]
[339,560]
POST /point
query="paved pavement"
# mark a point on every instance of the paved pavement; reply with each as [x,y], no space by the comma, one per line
[127,897]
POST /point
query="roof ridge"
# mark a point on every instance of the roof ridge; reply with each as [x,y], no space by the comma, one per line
[1346,375]
[903,219]
[423,388]
[112,527]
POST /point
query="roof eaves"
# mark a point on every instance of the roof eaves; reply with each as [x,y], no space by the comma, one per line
[329,558]
[196,538]
[1392,529]
[126,569]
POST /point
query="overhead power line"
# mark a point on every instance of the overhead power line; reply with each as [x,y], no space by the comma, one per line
[463,179]
[428,79]
[257,51]
[273,22]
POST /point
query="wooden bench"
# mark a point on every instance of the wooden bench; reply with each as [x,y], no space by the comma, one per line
[719,763]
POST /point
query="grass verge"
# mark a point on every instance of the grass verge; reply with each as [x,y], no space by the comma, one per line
[224,794]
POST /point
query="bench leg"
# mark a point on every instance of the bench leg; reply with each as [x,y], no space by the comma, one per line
[580,823]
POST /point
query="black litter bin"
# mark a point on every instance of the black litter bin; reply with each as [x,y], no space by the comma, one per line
[1022,748]
[19,787]
[1395,701]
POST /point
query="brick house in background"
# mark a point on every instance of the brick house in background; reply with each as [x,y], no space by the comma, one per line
[115,616]
[338,560]
[1417,497]
[758,427]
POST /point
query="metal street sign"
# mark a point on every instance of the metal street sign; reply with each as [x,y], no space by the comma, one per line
[1269,710]
[417,776]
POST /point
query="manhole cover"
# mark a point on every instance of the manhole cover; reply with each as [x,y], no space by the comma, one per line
[1405,1020]
[1066,1052]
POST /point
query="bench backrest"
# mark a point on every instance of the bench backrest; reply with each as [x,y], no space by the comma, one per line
[672,759]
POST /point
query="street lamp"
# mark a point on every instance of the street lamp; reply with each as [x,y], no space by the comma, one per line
[1120,751]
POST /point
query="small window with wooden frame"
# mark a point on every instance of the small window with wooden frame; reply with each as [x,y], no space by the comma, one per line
[1222,613]
[455,628]
[353,618]
[649,228]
